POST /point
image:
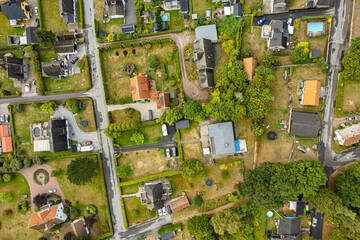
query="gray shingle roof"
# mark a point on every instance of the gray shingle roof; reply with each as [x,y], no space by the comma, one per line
[222,138]
[289,226]
[54,69]
[184,6]
[305,124]
[67,46]
[30,36]
[204,54]
[185,123]
[206,78]
[279,33]
[13,10]
[16,68]
[238,10]
[207,32]
[315,53]
[128,28]
[154,194]
[116,9]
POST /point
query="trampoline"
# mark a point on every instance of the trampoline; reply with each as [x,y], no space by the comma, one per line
[84,123]
[164,17]
[271,136]
[209,182]
[36,132]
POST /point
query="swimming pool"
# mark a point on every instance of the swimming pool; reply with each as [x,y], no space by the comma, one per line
[316,27]
[164,17]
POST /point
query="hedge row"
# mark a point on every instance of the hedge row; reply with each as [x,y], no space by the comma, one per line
[12,124]
[81,14]
[169,228]
[228,161]
[103,75]
[180,151]
[35,61]
[315,17]
[137,43]
[149,178]
[178,73]
[339,96]
[40,14]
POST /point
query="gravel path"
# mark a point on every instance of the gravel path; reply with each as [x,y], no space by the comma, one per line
[143,108]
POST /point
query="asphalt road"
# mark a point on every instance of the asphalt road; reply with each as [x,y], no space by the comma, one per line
[293,14]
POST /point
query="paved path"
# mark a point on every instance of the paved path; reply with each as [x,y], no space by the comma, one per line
[75,132]
[143,108]
[35,188]
[130,16]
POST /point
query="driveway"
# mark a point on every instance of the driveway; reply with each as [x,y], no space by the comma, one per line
[35,188]
[317,229]
[31,22]
[75,132]
[143,108]
[130,16]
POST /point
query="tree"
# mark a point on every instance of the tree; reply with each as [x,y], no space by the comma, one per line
[153,61]
[247,52]
[7,177]
[197,201]
[27,163]
[45,37]
[18,108]
[16,164]
[200,226]
[75,212]
[111,37]
[191,167]
[355,44]
[256,5]
[40,200]
[267,60]
[228,45]
[89,221]
[48,106]
[80,171]
[351,64]
[171,116]
[5,92]
[38,160]
[226,221]
[6,197]
[193,110]
[123,171]
[257,129]
[138,138]
[301,53]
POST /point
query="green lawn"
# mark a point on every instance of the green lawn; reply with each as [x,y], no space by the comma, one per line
[51,17]
[199,7]
[7,85]
[121,116]
[176,22]
[47,55]
[86,114]
[251,38]
[136,212]
[151,132]
[6,29]
[351,98]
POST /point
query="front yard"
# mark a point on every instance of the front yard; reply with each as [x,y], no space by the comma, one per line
[251,38]
[136,212]
[8,85]
[51,18]
[86,114]
[351,99]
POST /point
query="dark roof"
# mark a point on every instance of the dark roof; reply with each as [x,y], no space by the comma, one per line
[238,10]
[289,226]
[16,68]
[184,6]
[173,95]
[117,8]
[67,46]
[74,148]
[185,123]
[186,17]
[168,235]
[12,10]
[157,26]
[128,28]
[279,33]
[66,7]
[206,78]
[305,124]
[207,32]
[53,68]
[204,54]
[59,135]
[315,53]
[102,34]
[165,26]
[300,207]
[222,138]
[30,35]
[154,193]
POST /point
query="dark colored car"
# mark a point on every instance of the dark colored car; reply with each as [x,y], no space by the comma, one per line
[261,21]
[150,114]
[169,209]
[74,60]
[37,22]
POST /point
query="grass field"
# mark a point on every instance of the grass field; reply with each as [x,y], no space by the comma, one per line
[152,133]
[145,162]
[92,193]
[279,90]
[245,133]
[88,115]
[6,29]
[190,133]
[176,22]
[15,225]
[136,212]
[121,116]
[193,150]
[7,84]
[199,7]
[47,55]
[351,95]
[51,18]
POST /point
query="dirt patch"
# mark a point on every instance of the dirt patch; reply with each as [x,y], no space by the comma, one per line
[193,150]
[122,116]
[245,133]
[351,98]
[191,133]
[279,90]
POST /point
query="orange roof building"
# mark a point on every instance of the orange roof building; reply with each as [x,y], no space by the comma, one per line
[6,141]
[140,88]
[179,204]
[311,94]
[249,67]
[48,217]
[164,101]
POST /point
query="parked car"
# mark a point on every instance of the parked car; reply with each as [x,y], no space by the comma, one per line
[164,129]
[159,212]
[301,149]
[87,142]
[36,11]
[314,222]
[2,118]
[173,151]
[37,22]
[24,196]
[150,114]
[169,209]
[164,210]
[7,118]
[52,191]
[289,21]
[34,82]
[27,87]
[74,60]
[351,118]
[261,21]
[167,153]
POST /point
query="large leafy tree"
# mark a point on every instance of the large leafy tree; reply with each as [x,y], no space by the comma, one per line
[80,171]
[226,221]
[40,200]
[171,116]
[16,164]
[301,53]
[123,171]
[153,61]
[200,226]
[351,64]
[191,167]
[48,106]
[45,37]
[355,44]
[137,138]
[267,60]
[6,197]
[193,110]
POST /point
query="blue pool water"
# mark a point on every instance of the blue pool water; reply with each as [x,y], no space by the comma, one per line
[164,17]
[316,26]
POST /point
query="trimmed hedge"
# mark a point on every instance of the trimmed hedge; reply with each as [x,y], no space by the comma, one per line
[149,178]
[12,124]
[39,171]
[213,203]
[169,228]
[228,161]
[103,75]
[81,15]
[339,96]
[35,61]
[180,151]
[40,14]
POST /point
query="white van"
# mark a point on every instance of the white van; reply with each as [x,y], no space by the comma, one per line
[164,129]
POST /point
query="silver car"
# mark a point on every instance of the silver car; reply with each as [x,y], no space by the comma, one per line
[167,153]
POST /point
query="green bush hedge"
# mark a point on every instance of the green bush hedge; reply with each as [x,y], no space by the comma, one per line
[149,178]
[169,228]
[81,15]
[39,171]
[35,61]
[180,151]
[40,14]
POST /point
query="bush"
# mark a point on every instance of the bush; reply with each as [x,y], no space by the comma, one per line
[54,228]
[66,210]
[40,200]
[16,164]
[7,177]
[129,69]
[6,197]
[135,213]
[212,204]
[225,174]
[91,209]
[80,171]
[75,212]
[38,160]
[172,83]
[169,228]
[153,61]
[27,163]
[123,171]
[38,173]
[22,207]
[197,201]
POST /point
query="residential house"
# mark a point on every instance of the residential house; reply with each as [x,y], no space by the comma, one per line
[295,207]
[289,228]
[155,193]
[205,62]
[128,28]
[48,217]
[276,34]
[167,236]
[249,66]
[238,10]
[184,6]
[163,101]
[182,124]
[16,68]
[222,140]
[311,93]
[64,48]
[140,88]
[315,54]
[349,135]
[50,136]
[5,139]
[304,124]
[116,8]
[67,10]
[79,227]
[280,5]
[180,203]
[28,37]
[16,11]
[56,69]
[207,32]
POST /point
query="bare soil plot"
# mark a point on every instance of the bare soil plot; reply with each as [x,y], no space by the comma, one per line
[279,90]
[190,133]
[145,162]
[51,18]
[351,97]
[122,116]
[193,151]
[136,212]
[86,114]
[252,38]
[355,31]
[297,4]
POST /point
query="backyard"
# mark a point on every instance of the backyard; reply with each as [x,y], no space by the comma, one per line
[113,26]
[251,38]
[199,7]
[279,90]
[6,29]
[145,162]
[193,151]
[92,193]
[123,115]
[8,85]
[51,18]
[15,225]
[86,114]
[176,22]
[245,133]
[351,99]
